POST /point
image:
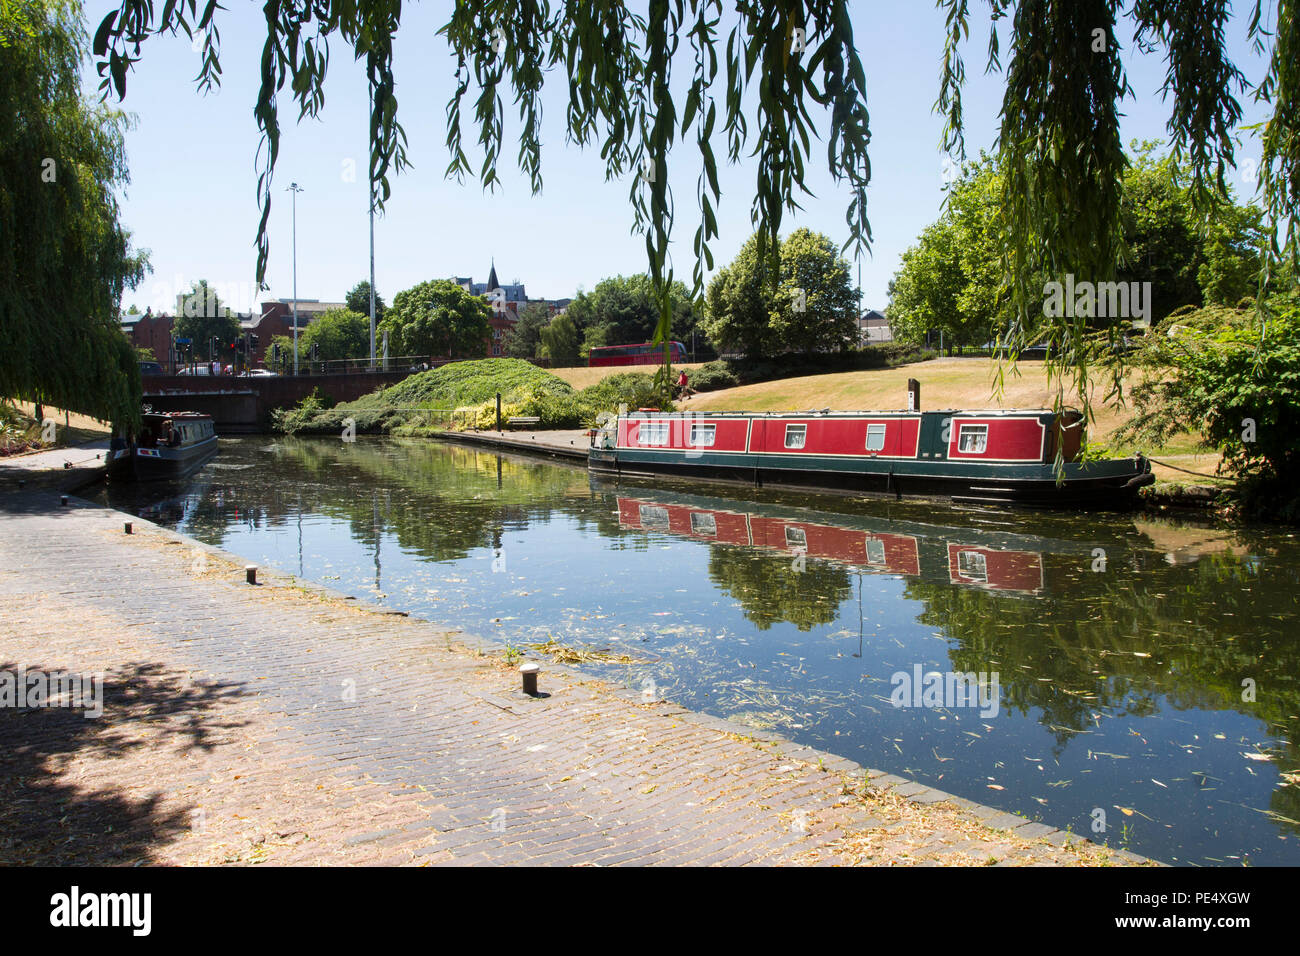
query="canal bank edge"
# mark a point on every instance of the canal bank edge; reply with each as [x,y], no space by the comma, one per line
[853,775]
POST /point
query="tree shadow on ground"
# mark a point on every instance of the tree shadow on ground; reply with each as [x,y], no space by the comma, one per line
[149,711]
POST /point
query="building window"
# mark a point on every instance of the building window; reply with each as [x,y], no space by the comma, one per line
[702,436]
[875,438]
[972,439]
[652,433]
[795,435]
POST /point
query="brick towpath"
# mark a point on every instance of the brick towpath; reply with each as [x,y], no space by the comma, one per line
[284,723]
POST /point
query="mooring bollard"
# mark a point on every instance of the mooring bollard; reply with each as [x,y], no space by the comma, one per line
[127,527]
[250,573]
[63,499]
[529,672]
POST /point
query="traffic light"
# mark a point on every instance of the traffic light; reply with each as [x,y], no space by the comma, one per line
[253,340]
[315,351]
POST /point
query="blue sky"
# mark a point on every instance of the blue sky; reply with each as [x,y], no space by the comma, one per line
[192,198]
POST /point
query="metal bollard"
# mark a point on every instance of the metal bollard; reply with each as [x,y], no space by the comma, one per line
[529,672]
[250,573]
[63,499]
[127,527]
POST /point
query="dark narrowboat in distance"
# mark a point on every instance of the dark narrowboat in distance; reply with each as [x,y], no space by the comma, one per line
[984,456]
[169,445]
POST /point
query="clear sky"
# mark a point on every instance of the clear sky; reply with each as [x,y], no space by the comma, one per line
[192,198]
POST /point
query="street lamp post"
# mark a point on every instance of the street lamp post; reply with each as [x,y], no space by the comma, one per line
[370,182]
[295,189]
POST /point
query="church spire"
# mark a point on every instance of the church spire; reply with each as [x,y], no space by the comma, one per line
[492,276]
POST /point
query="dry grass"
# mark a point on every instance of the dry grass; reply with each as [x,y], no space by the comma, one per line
[906,833]
[73,428]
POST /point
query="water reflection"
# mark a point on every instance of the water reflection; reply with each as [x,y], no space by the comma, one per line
[1122,644]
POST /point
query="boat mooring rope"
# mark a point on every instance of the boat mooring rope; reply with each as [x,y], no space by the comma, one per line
[1157,461]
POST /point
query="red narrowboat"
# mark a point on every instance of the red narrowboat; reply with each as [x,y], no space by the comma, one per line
[996,457]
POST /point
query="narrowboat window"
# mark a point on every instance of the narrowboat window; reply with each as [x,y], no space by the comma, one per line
[875,438]
[704,523]
[702,436]
[652,433]
[973,439]
[795,435]
[875,551]
[654,518]
[796,538]
[972,565]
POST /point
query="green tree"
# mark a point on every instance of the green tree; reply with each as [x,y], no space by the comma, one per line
[1058,140]
[811,306]
[340,333]
[358,300]
[437,318]
[522,340]
[65,259]
[1217,375]
[816,306]
[561,342]
[952,281]
[202,316]
[622,310]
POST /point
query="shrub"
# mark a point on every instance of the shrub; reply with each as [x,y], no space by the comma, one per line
[1236,383]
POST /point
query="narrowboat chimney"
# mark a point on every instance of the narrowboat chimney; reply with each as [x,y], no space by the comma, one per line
[913,395]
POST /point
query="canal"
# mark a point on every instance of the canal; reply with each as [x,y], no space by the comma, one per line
[1132,678]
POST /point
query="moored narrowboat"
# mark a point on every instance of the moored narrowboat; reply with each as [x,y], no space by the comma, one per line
[985,456]
[169,445]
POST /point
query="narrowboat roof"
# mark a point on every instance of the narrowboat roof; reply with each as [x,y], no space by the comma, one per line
[828,413]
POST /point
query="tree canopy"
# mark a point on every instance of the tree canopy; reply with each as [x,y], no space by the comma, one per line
[340,333]
[561,341]
[522,340]
[64,257]
[810,307]
[623,310]
[358,300]
[437,318]
[201,316]
[1058,140]
[951,280]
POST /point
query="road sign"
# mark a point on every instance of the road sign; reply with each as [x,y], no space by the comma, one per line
[184,341]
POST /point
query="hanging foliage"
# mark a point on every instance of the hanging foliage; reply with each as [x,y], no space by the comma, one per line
[64,258]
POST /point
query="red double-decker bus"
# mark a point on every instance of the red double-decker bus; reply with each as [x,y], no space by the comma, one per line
[643,353]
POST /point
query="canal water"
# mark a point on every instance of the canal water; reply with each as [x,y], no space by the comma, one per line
[1135,679]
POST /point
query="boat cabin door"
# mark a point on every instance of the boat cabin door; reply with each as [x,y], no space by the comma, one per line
[936,434]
